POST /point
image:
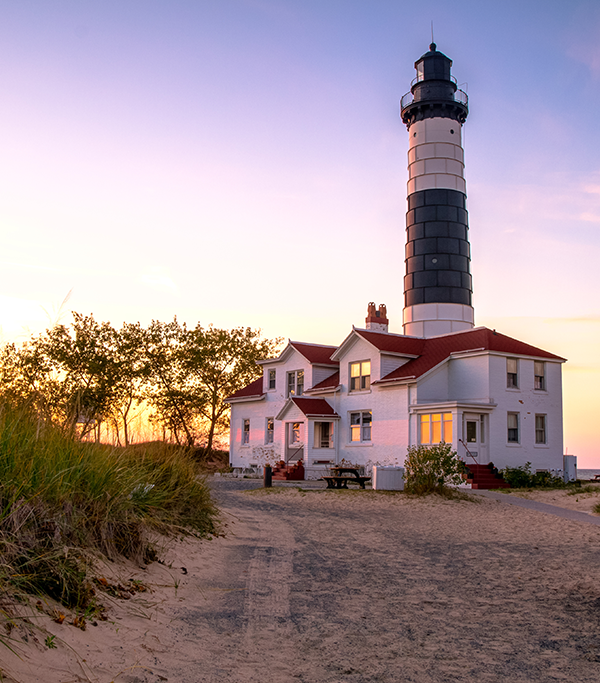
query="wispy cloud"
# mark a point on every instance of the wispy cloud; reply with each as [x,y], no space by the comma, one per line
[158,278]
[589,217]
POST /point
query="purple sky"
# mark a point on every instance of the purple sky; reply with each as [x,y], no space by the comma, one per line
[243,163]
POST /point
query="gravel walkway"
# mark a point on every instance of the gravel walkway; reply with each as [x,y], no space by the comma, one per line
[359,586]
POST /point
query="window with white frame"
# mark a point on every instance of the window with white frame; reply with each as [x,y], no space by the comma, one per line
[539,375]
[245,432]
[540,429]
[272,378]
[360,375]
[435,428]
[295,436]
[323,435]
[512,373]
[360,426]
[269,430]
[295,383]
[513,427]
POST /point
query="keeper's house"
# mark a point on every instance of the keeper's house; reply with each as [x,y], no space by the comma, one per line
[494,398]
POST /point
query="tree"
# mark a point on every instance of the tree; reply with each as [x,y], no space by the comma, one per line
[170,393]
[83,361]
[133,372]
[220,362]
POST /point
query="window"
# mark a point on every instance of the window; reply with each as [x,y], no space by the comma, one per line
[539,376]
[540,429]
[436,427]
[512,375]
[272,378]
[471,431]
[245,432]
[360,426]
[482,428]
[323,434]
[360,375]
[295,433]
[513,427]
[295,383]
[269,430]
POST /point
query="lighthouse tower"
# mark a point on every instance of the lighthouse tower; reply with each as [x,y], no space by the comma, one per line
[437,284]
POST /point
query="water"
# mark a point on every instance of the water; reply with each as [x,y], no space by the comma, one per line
[586,474]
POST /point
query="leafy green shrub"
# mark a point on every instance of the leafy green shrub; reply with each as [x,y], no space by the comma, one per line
[428,469]
[522,477]
[518,477]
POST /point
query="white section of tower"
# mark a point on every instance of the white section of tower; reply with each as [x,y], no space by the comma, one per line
[432,320]
[435,156]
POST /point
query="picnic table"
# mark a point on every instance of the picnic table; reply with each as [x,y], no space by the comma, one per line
[340,477]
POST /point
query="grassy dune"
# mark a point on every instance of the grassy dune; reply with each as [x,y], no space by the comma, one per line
[63,501]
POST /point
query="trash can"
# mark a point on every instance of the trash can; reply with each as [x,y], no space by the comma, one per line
[388,478]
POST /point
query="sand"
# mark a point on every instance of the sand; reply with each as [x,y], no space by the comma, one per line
[357,586]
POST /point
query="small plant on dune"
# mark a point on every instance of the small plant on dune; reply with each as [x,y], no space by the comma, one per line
[429,469]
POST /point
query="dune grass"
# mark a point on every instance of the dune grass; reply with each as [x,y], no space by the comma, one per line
[62,501]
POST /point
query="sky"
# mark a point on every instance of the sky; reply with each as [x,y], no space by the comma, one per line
[243,163]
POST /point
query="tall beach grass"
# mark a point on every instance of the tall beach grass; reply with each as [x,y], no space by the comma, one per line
[61,498]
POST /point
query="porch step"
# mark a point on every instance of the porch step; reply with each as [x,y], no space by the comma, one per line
[485,477]
[293,472]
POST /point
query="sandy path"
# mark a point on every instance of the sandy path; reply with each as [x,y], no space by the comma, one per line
[355,586]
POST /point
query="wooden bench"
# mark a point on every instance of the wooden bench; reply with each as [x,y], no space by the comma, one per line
[339,481]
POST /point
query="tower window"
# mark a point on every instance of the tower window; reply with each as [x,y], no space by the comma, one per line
[245,432]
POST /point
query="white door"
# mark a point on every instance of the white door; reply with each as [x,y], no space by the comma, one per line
[475,437]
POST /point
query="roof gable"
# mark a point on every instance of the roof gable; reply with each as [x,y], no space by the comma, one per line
[383,342]
[315,354]
[437,349]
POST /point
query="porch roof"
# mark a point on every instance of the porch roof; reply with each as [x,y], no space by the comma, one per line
[309,407]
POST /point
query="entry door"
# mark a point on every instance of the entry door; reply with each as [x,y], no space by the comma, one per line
[294,441]
[475,437]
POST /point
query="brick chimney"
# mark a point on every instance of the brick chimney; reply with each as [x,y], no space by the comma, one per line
[376,320]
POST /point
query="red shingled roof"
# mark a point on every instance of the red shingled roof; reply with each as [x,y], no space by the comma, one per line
[316,353]
[254,389]
[330,382]
[437,349]
[314,407]
[393,343]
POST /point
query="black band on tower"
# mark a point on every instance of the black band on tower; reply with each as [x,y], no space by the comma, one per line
[438,254]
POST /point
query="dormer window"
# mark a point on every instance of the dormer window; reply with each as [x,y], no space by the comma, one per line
[360,375]
[295,383]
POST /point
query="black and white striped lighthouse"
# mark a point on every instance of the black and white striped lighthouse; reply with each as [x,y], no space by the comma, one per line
[437,284]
